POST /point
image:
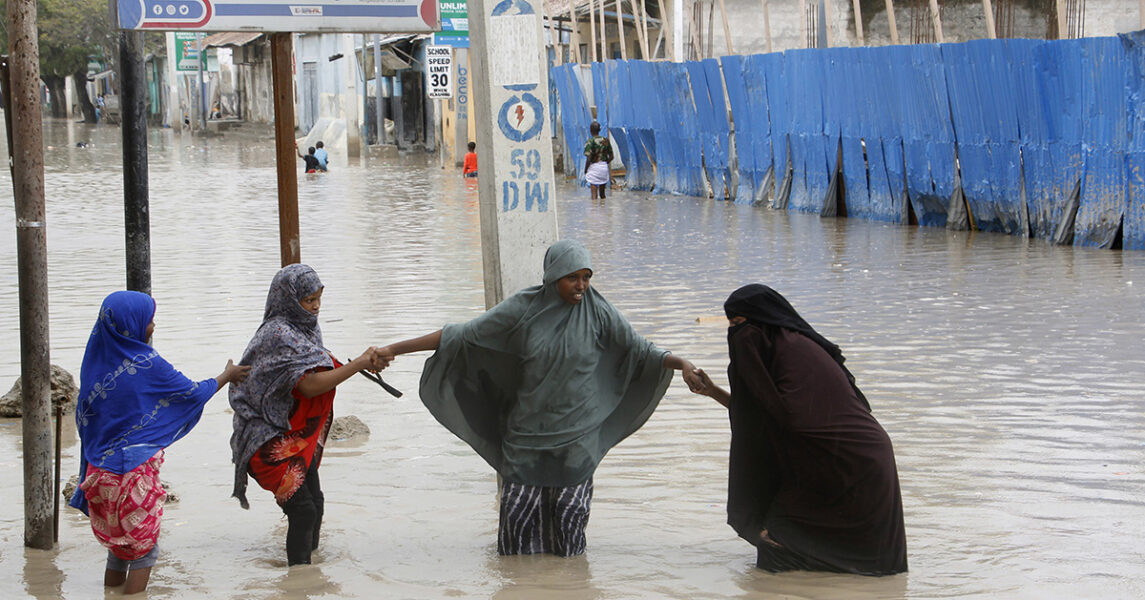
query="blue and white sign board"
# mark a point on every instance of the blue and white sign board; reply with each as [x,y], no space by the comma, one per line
[374,16]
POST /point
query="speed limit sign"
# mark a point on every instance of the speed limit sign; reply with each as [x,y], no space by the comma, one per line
[439,71]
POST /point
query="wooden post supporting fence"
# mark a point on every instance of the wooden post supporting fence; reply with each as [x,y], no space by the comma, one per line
[574,37]
[281,48]
[592,30]
[858,22]
[937,21]
[893,25]
[644,29]
[767,24]
[727,30]
[620,30]
[803,22]
[22,96]
[603,35]
[1061,9]
[991,33]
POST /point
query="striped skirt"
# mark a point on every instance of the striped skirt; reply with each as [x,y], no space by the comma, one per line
[548,520]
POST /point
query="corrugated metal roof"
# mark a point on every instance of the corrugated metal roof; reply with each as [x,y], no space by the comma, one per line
[230,38]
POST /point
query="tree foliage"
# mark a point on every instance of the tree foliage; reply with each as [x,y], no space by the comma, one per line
[71,33]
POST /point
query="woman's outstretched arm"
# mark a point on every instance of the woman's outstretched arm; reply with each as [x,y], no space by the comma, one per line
[671,361]
[320,382]
[429,341]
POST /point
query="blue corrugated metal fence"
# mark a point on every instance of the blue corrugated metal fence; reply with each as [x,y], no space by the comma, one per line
[1045,138]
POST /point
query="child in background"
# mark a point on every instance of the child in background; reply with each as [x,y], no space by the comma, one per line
[309,158]
[132,405]
[322,156]
[469,167]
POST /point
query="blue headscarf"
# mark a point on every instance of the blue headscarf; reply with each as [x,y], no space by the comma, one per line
[132,403]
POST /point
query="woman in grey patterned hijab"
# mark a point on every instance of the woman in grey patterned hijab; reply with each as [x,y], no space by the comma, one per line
[284,409]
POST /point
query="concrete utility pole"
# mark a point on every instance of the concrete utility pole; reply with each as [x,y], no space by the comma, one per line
[516,188]
[22,95]
[133,114]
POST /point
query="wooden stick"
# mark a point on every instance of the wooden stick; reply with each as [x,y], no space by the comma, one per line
[644,28]
[1062,30]
[767,25]
[803,21]
[711,23]
[858,22]
[697,32]
[989,10]
[641,36]
[727,30]
[574,36]
[592,28]
[827,16]
[620,30]
[666,30]
[556,31]
[603,35]
[937,21]
[891,17]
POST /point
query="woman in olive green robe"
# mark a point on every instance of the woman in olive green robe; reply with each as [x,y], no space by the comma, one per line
[542,386]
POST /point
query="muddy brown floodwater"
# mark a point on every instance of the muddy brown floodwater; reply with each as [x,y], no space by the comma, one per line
[1008,373]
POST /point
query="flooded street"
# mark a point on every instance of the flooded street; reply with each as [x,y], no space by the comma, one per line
[1008,374]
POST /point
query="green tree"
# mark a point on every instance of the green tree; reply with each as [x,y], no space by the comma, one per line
[71,33]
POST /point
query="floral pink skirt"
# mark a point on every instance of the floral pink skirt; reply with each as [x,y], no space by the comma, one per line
[125,509]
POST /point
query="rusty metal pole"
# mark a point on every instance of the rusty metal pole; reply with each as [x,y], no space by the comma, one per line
[281,65]
[133,113]
[23,97]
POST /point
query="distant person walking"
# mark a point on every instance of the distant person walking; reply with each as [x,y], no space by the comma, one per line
[812,482]
[132,405]
[597,156]
[469,166]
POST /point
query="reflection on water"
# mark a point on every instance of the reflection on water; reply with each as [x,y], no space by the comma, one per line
[1007,373]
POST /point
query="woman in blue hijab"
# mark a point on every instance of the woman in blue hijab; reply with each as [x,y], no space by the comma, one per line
[132,404]
[542,386]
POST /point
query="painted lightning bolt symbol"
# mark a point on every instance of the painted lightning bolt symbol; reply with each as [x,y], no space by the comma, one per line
[520,114]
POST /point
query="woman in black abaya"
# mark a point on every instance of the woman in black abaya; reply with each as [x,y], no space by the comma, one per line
[812,481]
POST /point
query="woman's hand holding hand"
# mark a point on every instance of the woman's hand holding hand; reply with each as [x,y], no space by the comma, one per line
[703,384]
[381,357]
[693,377]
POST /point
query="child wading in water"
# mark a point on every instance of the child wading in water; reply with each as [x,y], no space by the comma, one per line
[284,410]
[469,167]
[132,404]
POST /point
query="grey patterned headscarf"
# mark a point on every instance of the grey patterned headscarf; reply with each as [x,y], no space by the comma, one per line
[286,346]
